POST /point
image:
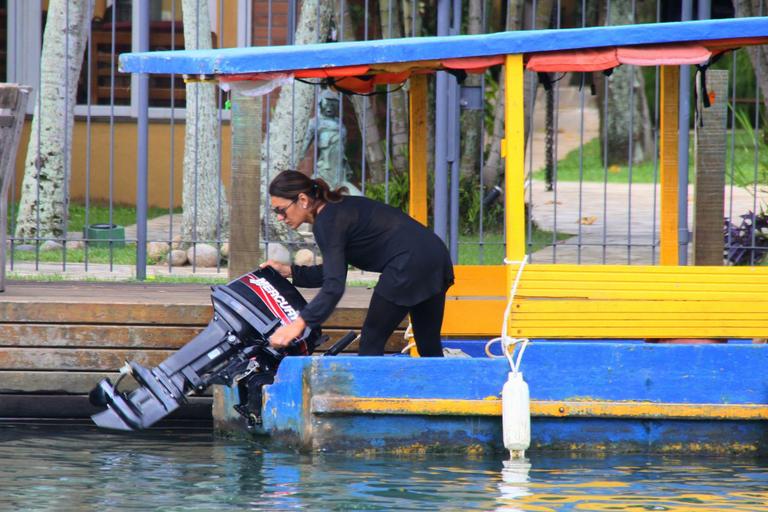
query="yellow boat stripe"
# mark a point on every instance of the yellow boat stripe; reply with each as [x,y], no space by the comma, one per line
[539,408]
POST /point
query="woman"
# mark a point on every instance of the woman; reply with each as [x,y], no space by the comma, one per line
[415,266]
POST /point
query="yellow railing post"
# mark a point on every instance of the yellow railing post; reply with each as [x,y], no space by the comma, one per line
[417,196]
[513,149]
[668,157]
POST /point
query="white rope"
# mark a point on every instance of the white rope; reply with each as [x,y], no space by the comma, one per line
[507,343]
[408,335]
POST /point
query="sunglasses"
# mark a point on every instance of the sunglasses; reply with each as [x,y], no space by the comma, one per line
[280,210]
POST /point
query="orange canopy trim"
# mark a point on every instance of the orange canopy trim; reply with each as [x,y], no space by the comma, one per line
[367,83]
[259,77]
[590,59]
[717,45]
[474,64]
[663,54]
[341,71]
[399,67]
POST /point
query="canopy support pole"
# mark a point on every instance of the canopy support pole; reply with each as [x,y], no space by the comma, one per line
[417,195]
[668,137]
[513,151]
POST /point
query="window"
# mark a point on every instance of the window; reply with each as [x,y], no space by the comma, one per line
[102,89]
[111,35]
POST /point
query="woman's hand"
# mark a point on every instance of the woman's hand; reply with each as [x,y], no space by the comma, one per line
[282,269]
[284,335]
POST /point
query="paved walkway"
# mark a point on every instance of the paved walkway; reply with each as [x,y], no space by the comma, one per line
[625,219]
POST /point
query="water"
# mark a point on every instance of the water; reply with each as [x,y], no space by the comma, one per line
[80,468]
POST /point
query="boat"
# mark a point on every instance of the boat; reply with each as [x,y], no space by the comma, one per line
[615,361]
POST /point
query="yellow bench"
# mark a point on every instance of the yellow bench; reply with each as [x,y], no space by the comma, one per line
[611,301]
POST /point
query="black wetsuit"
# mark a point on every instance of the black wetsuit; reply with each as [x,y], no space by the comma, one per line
[414,263]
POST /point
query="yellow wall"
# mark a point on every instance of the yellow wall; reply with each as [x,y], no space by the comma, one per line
[125,149]
[124,158]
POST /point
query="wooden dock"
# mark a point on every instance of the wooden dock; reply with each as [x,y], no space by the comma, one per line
[57,340]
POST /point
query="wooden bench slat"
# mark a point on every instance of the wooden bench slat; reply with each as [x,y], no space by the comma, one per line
[639,277]
[77,359]
[636,332]
[55,382]
[78,406]
[491,280]
[564,306]
[659,294]
[647,269]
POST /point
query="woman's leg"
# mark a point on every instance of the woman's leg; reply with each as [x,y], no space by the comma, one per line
[381,321]
[427,318]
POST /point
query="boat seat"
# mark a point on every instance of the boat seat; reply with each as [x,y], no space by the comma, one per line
[611,301]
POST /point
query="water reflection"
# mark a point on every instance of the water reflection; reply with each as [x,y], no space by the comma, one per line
[515,475]
[73,467]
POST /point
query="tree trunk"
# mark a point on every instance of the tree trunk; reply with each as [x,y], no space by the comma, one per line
[292,113]
[412,21]
[206,216]
[758,54]
[244,244]
[392,27]
[621,125]
[366,119]
[516,20]
[44,192]
[472,120]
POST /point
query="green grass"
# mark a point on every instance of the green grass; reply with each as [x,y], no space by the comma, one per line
[119,256]
[492,251]
[56,278]
[593,170]
[98,213]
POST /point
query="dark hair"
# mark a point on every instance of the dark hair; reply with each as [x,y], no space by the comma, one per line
[289,184]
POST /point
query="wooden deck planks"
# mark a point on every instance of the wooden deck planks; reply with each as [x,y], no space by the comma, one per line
[57,340]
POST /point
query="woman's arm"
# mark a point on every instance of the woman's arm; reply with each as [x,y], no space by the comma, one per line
[281,268]
[307,276]
[284,335]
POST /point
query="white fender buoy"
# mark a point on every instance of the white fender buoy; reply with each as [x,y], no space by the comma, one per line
[516,415]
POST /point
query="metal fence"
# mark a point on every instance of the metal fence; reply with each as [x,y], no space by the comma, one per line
[593,185]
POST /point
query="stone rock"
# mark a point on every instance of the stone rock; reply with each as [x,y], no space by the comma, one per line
[178,258]
[176,242]
[278,252]
[75,244]
[306,257]
[225,250]
[51,245]
[156,250]
[203,255]
[25,248]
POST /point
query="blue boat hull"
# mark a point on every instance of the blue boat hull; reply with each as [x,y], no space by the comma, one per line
[598,396]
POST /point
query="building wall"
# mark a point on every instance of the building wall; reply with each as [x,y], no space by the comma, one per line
[124,161]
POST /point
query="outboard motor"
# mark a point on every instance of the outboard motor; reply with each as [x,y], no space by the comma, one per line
[233,348]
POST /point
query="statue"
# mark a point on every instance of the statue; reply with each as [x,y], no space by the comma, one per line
[331,165]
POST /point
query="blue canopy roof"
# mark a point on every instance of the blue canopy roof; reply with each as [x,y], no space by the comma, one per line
[385,51]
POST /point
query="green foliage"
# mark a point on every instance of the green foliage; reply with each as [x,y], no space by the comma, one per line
[395,192]
[751,158]
[489,105]
[470,201]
